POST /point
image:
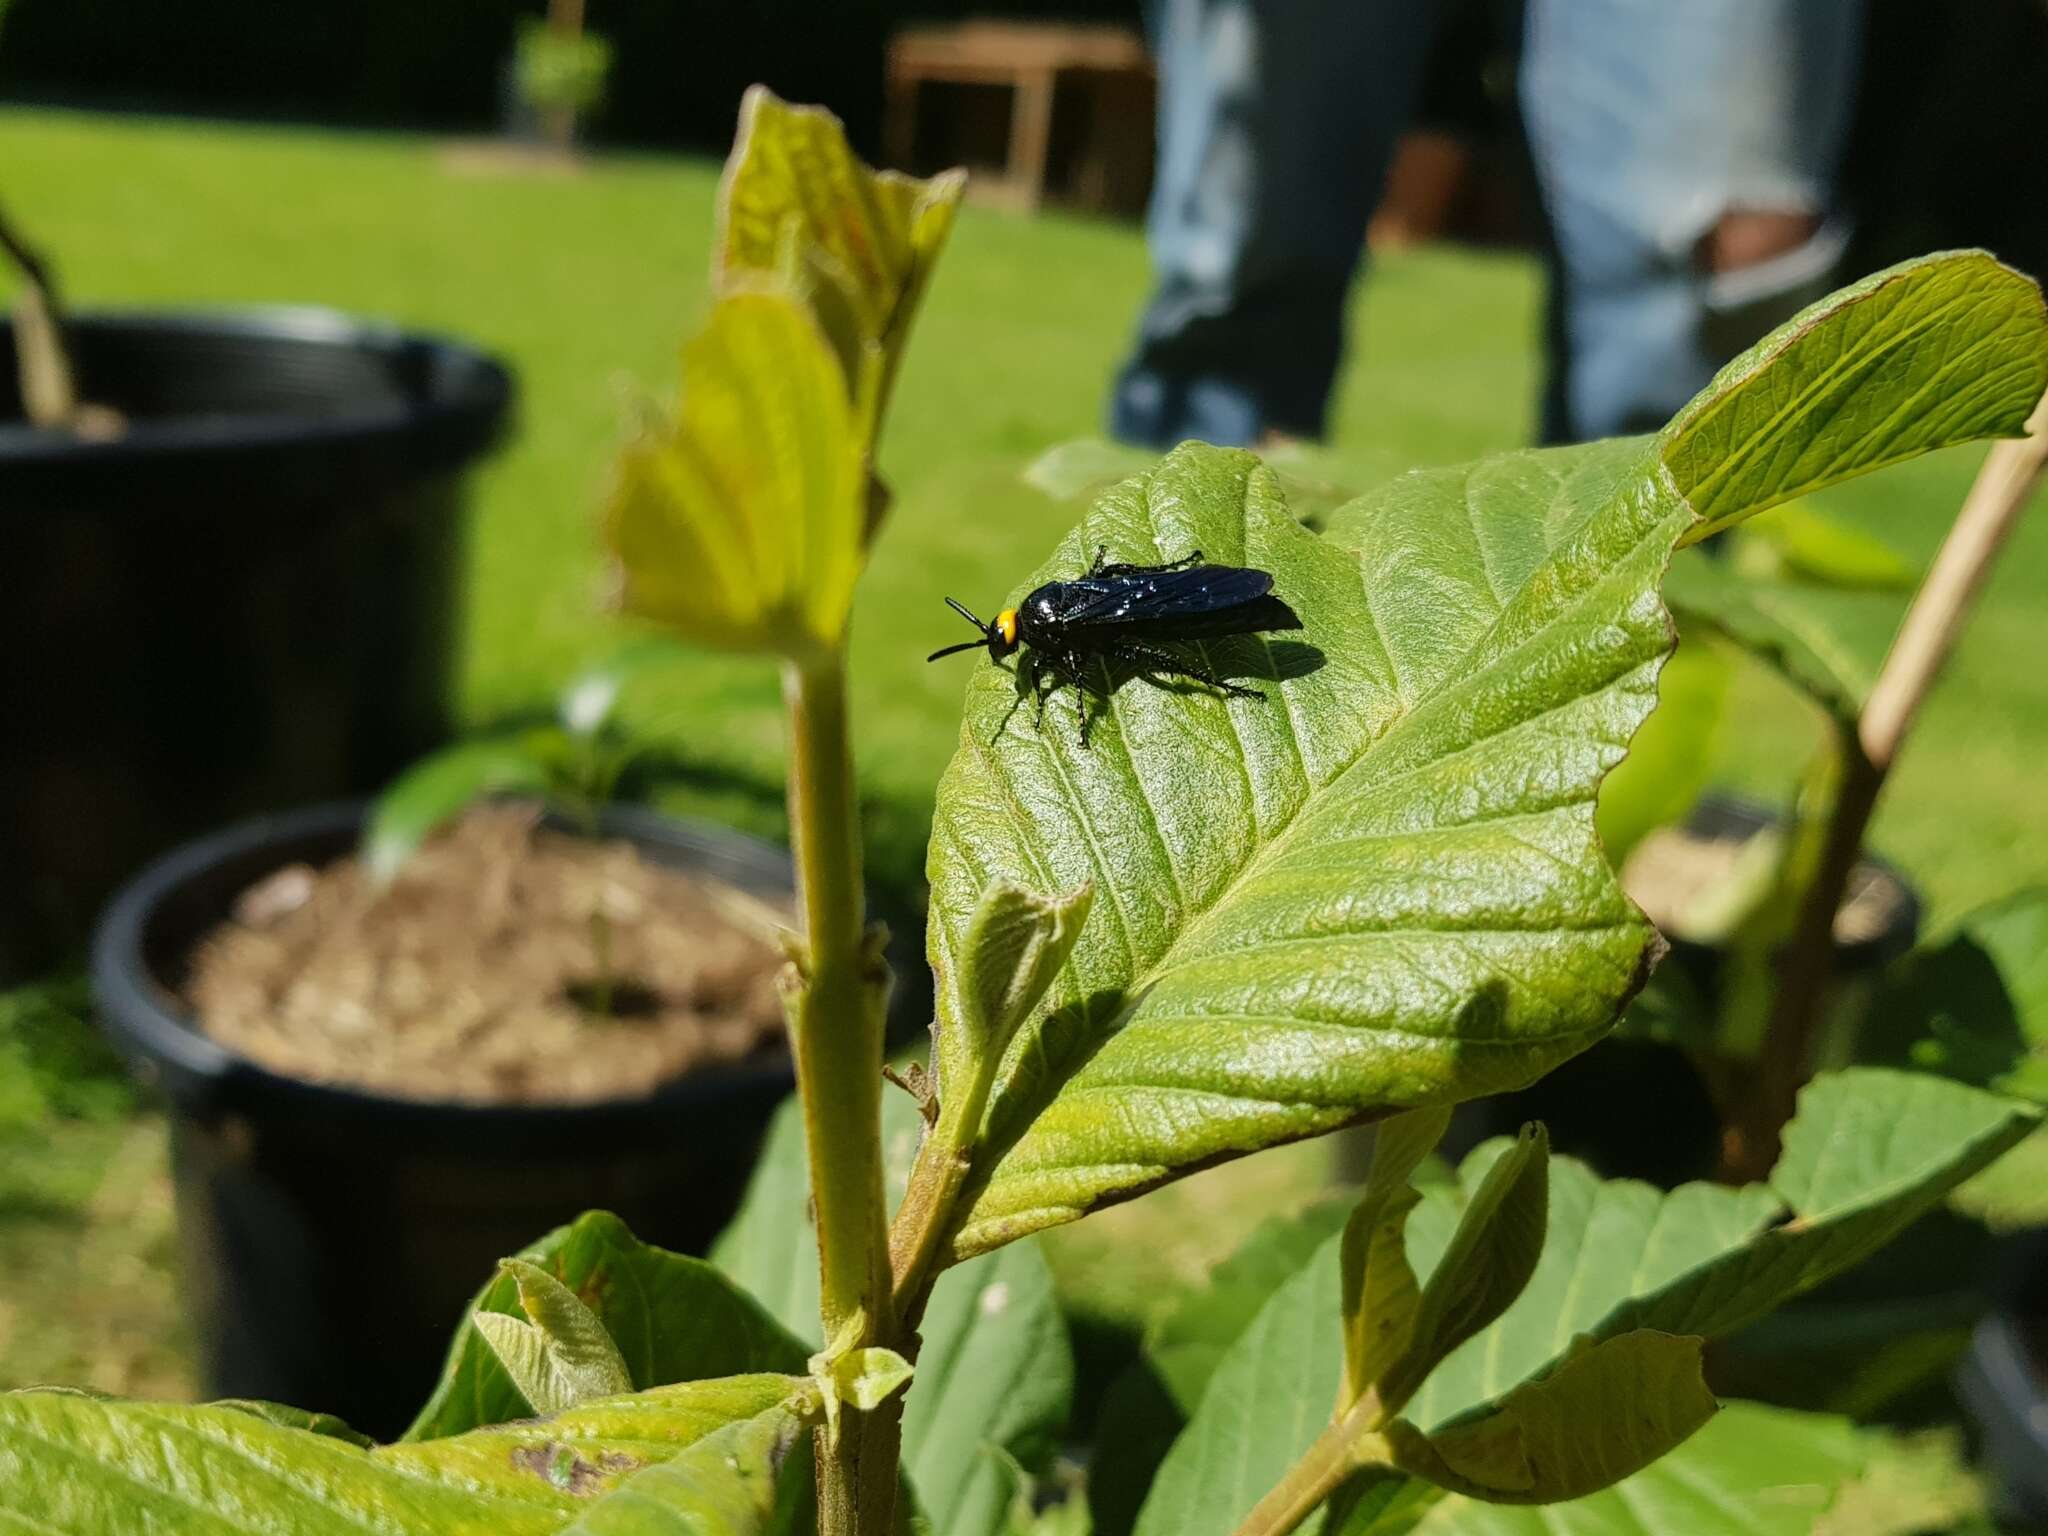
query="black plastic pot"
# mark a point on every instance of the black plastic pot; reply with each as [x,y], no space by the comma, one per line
[331,1236]
[245,602]
[2003,1382]
[1637,1108]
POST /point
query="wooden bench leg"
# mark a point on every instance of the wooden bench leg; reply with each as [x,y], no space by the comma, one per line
[1031,134]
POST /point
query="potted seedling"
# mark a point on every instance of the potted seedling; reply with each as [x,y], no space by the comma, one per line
[498,993]
[559,71]
[1358,886]
[1795,950]
[234,546]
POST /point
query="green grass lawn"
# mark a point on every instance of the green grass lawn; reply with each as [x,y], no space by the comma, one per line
[586,283]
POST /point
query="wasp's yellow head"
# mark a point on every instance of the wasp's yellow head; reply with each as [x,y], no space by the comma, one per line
[1000,636]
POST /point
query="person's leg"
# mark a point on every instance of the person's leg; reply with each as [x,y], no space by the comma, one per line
[1276,122]
[1687,155]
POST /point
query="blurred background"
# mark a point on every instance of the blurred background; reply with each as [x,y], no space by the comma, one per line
[534,185]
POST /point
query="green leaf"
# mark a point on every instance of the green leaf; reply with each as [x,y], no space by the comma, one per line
[1150,1401]
[727,1484]
[1868,1153]
[1974,1005]
[867,1378]
[1352,897]
[1192,1339]
[995,1373]
[1017,941]
[741,521]
[1671,1010]
[1829,642]
[1605,1413]
[1946,349]
[1269,1398]
[1814,546]
[797,202]
[1383,1302]
[672,1318]
[1960,337]
[1379,887]
[770,1247]
[846,1375]
[994,1382]
[2012,1194]
[586,705]
[74,1464]
[287,1417]
[563,1356]
[1752,1471]
[1669,760]
[730,1483]
[1489,1258]
[440,787]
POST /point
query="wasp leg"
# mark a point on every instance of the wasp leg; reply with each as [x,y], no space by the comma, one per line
[1070,671]
[1102,569]
[1073,669]
[1043,686]
[1185,666]
[1050,672]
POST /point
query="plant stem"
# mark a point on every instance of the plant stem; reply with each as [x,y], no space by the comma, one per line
[47,392]
[1868,747]
[601,950]
[1341,1452]
[924,1222]
[836,1028]
[1805,970]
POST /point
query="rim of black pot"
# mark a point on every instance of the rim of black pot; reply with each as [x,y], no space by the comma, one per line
[325,398]
[147,932]
[1718,815]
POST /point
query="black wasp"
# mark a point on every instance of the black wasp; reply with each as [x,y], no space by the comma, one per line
[1129,615]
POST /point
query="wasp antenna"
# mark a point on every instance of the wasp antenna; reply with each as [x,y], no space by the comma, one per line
[958,607]
[964,645]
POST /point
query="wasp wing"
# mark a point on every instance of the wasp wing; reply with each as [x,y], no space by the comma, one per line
[1197,589]
[1192,604]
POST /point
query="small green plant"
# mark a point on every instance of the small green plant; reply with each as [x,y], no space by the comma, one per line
[572,765]
[1226,924]
[573,762]
[560,71]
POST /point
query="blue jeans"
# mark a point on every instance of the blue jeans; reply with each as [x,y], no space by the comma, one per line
[1646,118]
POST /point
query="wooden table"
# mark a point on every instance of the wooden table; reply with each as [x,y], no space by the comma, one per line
[1027,58]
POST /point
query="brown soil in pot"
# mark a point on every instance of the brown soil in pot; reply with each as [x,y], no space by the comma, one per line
[469,976]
